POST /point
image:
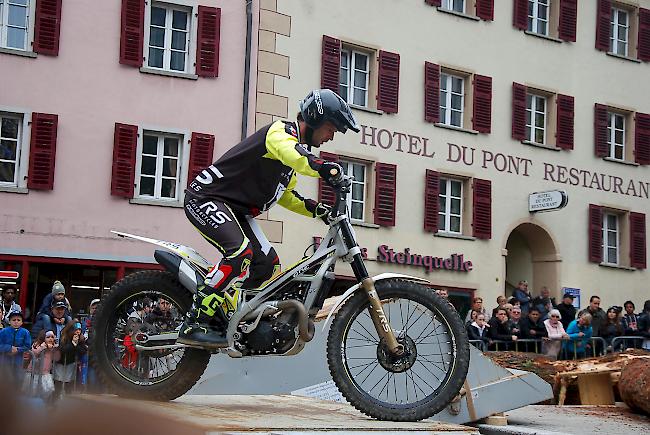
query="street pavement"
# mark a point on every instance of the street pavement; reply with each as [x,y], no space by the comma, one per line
[575,420]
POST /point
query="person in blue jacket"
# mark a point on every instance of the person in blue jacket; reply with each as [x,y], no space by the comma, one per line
[14,340]
[44,318]
[579,332]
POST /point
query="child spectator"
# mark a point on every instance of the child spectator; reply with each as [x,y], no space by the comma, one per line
[556,333]
[71,346]
[14,341]
[478,330]
[130,357]
[38,381]
[579,332]
[629,319]
[44,316]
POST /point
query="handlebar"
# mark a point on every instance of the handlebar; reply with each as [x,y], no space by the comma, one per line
[341,184]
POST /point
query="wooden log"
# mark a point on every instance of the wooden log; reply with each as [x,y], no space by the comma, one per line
[634,385]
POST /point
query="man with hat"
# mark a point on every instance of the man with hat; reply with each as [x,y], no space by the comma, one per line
[567,310]
[54,319]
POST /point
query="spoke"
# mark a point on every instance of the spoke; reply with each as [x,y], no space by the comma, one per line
[362,345]
[368,375]
[419,338]
[369,337]
[420,378]
[427,369]
[380,380]
[416,320]
[416,387]
[361,365]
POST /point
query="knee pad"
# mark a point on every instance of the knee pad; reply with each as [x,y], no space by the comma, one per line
[230,270]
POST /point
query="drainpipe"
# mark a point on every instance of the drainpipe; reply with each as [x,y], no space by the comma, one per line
[247,67]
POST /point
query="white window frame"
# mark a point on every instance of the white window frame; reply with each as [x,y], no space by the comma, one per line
[190,60]
[22,153]
[531,111]
[611,135]
[605,245]
[182,167]
[535,20]
[447,214]
[446,86]
[350,73]
[452,5]
[348,168]
[614,27]
[4,18]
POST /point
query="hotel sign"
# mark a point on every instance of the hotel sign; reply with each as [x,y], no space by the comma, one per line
[547,201]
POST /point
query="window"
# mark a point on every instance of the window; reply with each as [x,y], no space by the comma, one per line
[450,205]
[168,37]
[10,148]
[160,166]
[538,16]
[536,118]
[616,135]
[619,31]
[454,5]
[611,241]
[357,199]
[354,77]
[14,24]
[452,90]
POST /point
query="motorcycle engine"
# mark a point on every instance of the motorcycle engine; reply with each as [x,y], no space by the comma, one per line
[272,336]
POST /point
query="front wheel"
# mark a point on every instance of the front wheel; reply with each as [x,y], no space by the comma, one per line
[415,385]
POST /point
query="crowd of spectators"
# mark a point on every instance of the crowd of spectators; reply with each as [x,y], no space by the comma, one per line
[52,358]
[558,330]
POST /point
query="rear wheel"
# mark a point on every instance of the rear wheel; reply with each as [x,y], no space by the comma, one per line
[146,374]
[414,385]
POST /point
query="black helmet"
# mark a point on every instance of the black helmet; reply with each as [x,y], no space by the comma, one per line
[322,105]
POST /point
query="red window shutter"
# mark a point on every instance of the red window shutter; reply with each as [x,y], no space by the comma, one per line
[433,2]
[482,110]
[568,20]
[643,50]
[385,193]
[330,64]
[595,233]
[637,240]
[201,150]
[565,115]
[485,9]
[207,45]
[125,143]
[642,139]
[603,23]
[518,111]
[431,192]
[482,216]
[42,151]
[431,92]
[520,15]
[600,131]
[388,93]
[326,194]
[47,27]
[132,35]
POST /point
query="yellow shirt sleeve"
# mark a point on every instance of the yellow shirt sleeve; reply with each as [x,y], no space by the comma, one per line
[292,201]
[282,146]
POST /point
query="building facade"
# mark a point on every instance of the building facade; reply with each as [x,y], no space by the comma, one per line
[466,108]
[108,108]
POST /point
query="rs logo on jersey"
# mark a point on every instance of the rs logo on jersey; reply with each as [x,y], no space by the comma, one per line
[214,214]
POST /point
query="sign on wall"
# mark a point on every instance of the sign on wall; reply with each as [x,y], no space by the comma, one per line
[547,201]
[576,295]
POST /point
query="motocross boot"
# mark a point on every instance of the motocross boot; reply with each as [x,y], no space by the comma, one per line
[197,330]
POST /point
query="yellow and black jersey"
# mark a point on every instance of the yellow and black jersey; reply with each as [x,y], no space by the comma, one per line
[260,171]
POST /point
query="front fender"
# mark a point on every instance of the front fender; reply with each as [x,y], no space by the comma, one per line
[349,292]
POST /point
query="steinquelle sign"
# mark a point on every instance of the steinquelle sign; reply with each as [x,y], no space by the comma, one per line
[547,201]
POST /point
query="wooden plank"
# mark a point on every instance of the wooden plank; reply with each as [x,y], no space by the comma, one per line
[595,389]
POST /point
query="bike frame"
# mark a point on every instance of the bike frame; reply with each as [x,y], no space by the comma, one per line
[339,242]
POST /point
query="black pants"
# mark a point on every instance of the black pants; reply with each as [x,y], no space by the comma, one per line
[248,257]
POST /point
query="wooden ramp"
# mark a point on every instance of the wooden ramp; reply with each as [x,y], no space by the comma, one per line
[277,414]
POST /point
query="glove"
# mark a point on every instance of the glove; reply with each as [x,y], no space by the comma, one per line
[330,172]
[322,211]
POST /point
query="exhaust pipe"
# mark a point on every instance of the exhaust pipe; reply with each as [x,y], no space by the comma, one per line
[306,328]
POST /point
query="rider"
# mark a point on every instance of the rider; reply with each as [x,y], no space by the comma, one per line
[222,201]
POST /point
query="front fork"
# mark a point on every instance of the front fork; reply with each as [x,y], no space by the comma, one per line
[379,318]
[376,309]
